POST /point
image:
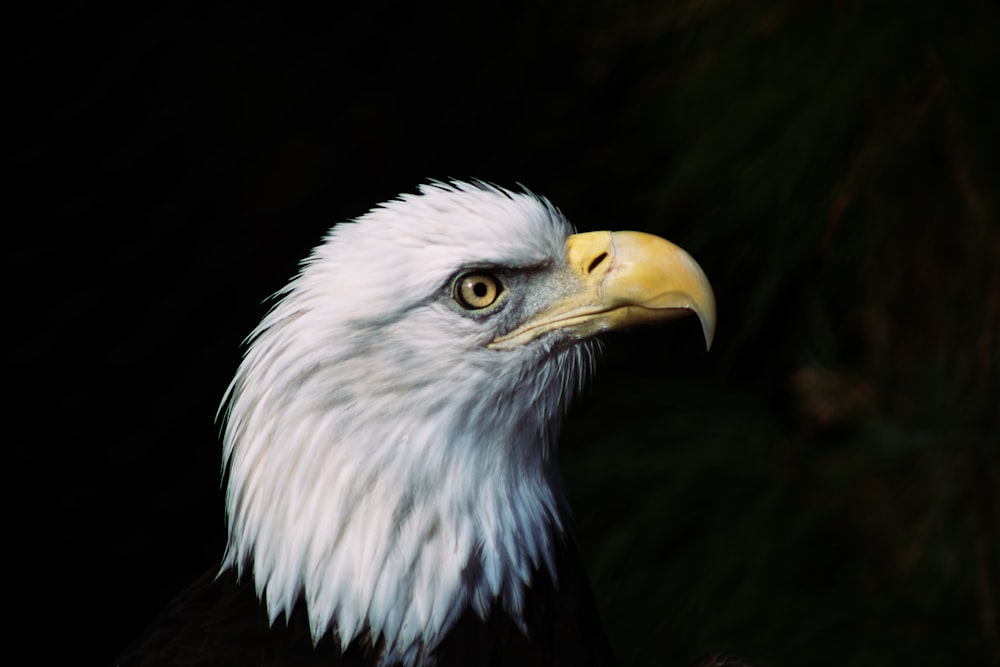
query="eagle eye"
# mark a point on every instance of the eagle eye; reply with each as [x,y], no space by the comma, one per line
[476,290]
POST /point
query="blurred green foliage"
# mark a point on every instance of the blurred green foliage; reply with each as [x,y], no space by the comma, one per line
[830,494]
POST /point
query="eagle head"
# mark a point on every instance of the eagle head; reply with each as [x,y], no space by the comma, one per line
[389,434]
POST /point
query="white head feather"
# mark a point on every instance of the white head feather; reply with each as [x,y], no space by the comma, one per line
[382,462]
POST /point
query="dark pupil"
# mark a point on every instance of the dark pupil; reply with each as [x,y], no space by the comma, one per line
[480,289]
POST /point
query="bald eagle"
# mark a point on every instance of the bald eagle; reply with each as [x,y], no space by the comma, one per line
[392,493]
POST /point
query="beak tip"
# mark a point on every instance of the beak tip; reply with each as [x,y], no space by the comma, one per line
[706,316]
[708,328]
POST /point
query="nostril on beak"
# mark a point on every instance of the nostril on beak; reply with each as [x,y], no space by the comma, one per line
[597,262]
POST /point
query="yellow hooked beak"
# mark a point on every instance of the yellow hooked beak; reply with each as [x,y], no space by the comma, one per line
[624,279]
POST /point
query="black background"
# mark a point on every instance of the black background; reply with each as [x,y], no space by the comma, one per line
[820,488]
